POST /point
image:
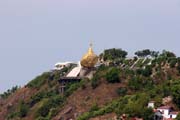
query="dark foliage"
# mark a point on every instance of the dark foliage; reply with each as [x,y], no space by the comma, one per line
[122,91]
[9,92]
[112,54]
[112,76]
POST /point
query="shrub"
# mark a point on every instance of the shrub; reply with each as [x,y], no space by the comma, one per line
[113,76]
[9,92]
[37,97]
[95,81]
[23,109]
[39,81]
[122,91]
[147,114]
[72,87]
[42,118]
[94,107]
[48,104]
[135,83]
[176,93]
[147,71]
[12,115]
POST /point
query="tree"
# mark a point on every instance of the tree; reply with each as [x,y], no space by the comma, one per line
[167,54]
[135,83]
[176,94]
[113,54]
[113,76]
[147,114]
[154,53]
[9,92]
[173,62]
[147,71]
[143,53]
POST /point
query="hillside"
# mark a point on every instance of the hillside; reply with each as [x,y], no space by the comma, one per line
[119,86]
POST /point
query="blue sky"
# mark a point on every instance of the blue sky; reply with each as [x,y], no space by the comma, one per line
[35,34]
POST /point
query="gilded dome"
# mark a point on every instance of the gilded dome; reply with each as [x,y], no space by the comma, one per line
[90,59]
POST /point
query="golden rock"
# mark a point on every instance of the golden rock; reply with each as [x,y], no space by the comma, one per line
[90,59]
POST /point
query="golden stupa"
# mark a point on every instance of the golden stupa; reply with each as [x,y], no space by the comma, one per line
[90,59]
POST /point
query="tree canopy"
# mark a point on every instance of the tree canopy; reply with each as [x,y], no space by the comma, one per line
[112,54]
[166,53]
[146,52]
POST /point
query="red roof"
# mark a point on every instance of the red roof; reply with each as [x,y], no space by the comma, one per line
[164,107]
[169,119]
[152,102]
[174,112]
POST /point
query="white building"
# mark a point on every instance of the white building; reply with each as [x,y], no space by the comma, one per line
[61,65]
[167,112]
[151,104]
[173,114]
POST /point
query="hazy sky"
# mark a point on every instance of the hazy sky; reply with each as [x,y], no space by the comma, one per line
[35,34]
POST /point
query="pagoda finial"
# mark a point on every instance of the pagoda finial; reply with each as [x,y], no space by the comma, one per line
[89,59]
[91,45]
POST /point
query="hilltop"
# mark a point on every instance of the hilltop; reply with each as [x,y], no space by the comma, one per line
[119,86]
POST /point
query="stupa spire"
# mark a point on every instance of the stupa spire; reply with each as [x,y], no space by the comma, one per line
[89,59]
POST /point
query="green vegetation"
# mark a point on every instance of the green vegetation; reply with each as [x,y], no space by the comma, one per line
[139,63]
[94,107]
[9,92]
[100,73]
[176,92]
[133,88]
[167,54]
[39,81]
[73,87]
[178,117]
[172,62]
[133,106]
[12,115]
[122,91]
[136,105]
[48,105]
[146,52]
[23,109]
[144,88]
[21,112]
[113,54]
[47,100]
[112,76]
[95,81]
[139,83]
[147,71]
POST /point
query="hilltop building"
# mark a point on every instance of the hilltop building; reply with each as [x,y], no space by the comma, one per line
[84,69]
